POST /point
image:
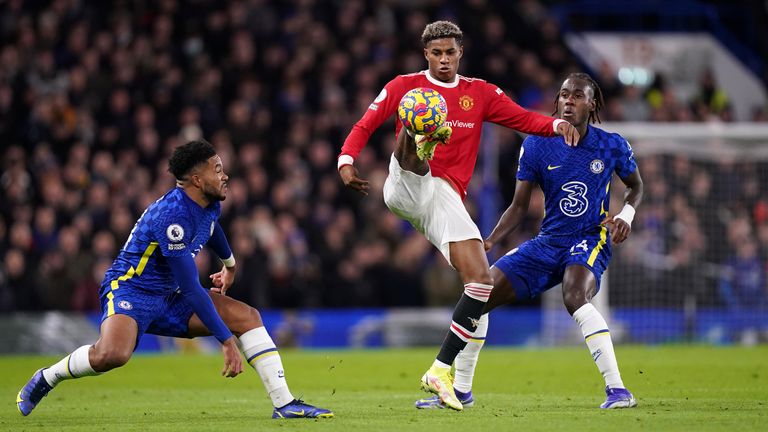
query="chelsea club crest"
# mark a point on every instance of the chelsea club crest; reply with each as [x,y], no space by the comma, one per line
[597,166]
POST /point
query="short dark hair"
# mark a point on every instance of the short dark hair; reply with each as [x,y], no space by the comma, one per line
[441,30]
[186,157]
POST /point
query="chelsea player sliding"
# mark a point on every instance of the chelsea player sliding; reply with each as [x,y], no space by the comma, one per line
[574,243]
[153,287]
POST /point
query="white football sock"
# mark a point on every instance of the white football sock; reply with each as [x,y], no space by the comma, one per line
[75,365]
[466,361]
[598,339]
[263,356]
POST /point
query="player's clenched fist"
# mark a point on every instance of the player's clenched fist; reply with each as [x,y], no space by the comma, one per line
[618,228]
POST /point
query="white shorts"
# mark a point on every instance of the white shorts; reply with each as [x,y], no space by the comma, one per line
[431,205]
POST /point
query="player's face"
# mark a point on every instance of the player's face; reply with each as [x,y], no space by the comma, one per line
[443,56]
[575,101]
[214,179]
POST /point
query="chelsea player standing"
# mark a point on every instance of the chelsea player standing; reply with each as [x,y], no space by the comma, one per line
[573,246]
[153,287]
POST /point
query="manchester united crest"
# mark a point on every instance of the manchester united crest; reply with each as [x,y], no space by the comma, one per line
[466,102]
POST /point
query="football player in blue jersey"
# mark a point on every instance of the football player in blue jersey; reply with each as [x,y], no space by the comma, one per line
[153,287]
[573,246]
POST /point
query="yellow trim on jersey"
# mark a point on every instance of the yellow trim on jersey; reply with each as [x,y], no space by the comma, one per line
[603,230]
[603,211]
[115,284]
[599,247]
[145,258]
[479,341]
[129,274]
[110,304]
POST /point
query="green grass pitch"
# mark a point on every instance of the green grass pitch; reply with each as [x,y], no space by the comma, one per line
[679,388]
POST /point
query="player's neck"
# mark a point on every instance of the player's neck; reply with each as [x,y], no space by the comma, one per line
[452,83]
[196,195]
[583,129]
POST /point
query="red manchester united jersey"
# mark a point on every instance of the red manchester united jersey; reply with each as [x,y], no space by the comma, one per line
[471,101]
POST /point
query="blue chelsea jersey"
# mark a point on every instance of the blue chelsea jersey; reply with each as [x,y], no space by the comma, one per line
[172,226]
[576,180]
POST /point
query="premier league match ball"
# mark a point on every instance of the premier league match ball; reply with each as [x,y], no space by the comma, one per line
[422,110]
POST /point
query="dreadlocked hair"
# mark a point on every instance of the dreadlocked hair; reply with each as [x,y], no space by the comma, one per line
[594,116]
[441,30]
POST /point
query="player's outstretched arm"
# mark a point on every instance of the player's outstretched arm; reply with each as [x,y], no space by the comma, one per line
[381,109]
[513,215]
[185,273]
[620,225]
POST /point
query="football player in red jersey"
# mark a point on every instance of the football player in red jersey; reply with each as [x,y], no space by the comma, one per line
[428,189]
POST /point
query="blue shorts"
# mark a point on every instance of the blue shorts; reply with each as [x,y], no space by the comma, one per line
[538,265]
[164,314]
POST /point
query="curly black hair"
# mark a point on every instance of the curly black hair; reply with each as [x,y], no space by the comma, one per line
[594,116]
[186,157]
[441,30]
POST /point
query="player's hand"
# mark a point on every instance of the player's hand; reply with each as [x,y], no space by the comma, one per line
[349,176]
[569,132]
[619,229]
[223,280]
[233,361]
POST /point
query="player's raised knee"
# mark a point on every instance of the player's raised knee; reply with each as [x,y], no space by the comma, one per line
[243,319]
[252,318]
[105,359]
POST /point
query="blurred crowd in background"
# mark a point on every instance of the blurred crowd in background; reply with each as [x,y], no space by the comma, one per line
[93,100]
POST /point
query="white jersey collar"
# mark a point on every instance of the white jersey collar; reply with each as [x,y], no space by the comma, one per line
[440,83]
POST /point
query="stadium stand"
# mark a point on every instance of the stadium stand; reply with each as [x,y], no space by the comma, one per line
[94,96]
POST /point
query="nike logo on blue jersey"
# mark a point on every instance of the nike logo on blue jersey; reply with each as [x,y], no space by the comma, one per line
[550,167]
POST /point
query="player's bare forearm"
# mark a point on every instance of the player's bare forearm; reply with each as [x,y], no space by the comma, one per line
[509,222]
[634,193]
[513,216]
[620,225]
